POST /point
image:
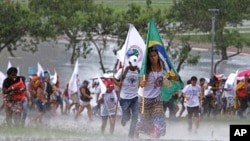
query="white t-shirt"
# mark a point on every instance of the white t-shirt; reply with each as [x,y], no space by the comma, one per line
[193,92]
[108,108]
[130,84]
[153,85]
[230,91]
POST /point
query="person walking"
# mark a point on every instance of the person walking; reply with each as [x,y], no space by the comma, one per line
[128,82]
[151,117]
[85,98]
[192,95]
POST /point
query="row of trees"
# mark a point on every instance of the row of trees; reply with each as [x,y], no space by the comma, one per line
[24,25]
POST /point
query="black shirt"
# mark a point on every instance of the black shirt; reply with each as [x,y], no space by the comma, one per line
[83,98]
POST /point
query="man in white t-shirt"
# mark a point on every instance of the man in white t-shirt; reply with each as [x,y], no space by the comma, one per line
[192,95]
[128,82]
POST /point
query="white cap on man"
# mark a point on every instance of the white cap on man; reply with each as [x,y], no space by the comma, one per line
[133,60]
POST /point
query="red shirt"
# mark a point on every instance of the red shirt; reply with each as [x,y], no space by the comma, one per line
[21,86]
[242,92]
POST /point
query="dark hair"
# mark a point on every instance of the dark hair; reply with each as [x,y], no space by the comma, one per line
[39,87]
[12,70]
[202,79]
[193,78]
[86,81]
[152,49]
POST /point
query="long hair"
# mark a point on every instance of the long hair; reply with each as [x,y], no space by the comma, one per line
[149,65]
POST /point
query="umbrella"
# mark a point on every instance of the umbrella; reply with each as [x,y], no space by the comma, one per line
[243,73]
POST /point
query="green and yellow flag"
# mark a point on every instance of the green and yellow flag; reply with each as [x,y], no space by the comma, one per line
[171,80]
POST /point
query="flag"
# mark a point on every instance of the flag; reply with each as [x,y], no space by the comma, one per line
[102,87]
[40,70]
[154,39]
[2,77]
[9,65]
[54,77]
[134,45]
[73,82]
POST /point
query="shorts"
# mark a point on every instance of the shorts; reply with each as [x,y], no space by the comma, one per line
[40,106]
[84,103]
[74,98]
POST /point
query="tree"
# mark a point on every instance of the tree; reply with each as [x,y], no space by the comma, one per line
[17,24]
[194,15]
[135,15]
[178,50]
[69,18]
[101,30]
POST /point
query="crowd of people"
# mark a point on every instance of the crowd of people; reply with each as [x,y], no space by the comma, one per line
[146,113]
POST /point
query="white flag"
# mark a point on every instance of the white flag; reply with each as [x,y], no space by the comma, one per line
[134,45]
[9,65]
[73,82]
[102,87]
[54,77]
[40,70]
[2,77]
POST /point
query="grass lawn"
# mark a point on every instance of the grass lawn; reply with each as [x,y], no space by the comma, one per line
[121,5]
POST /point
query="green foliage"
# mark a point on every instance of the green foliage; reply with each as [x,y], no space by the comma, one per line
[66,17]
[193,14]
[17,22]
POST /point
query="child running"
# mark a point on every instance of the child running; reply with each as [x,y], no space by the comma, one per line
[108,107]
[40,102]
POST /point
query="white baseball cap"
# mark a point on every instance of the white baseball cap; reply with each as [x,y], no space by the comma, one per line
[133,60]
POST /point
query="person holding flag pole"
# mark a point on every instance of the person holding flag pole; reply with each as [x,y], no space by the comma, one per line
[127,80]
[159,81]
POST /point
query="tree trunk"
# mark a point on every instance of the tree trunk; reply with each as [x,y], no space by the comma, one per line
[73,59]
[224,54]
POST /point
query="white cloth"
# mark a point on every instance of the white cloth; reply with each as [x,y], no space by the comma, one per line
[108,107]
[130,84]
[229,92]
[193,92]
[153,84]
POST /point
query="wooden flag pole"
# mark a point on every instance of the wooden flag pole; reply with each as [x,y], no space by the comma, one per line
[142,110]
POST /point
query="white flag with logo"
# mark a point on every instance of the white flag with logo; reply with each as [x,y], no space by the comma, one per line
[134,45]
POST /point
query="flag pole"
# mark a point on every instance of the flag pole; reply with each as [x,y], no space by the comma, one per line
[142,110]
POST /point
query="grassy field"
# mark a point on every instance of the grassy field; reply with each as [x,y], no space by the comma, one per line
[120,5]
